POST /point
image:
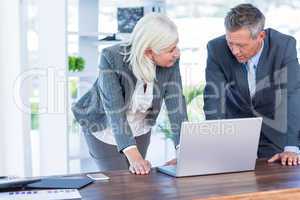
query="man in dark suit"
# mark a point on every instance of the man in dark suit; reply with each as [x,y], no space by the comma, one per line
[254,72]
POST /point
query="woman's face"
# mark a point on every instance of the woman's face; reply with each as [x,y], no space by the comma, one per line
[166,57]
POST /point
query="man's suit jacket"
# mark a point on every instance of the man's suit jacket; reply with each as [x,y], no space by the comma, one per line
[106,103]
[277,97]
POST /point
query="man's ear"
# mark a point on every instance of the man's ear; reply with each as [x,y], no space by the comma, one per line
[149,53]
[262,35]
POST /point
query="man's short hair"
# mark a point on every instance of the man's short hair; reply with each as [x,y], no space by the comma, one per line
[245,16]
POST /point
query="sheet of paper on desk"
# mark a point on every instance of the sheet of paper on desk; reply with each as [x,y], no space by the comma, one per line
[41,195]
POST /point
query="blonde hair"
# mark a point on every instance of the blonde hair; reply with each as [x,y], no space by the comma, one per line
[155,31]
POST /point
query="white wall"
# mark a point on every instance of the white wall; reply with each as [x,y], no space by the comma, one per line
[53,61]
[11,131]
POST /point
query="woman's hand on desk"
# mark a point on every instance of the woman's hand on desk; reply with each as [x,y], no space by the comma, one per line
[138,165]
[172,162]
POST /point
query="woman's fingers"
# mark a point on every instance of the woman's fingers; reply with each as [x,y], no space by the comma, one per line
[140,167]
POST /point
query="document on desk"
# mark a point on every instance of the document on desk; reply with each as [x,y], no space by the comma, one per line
[41,195]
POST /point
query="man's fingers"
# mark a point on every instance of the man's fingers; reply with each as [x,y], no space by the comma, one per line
[295,161]
[274,158]
[290,161]
[284,159]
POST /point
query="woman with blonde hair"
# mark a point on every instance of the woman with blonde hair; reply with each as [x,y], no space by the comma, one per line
[118,112]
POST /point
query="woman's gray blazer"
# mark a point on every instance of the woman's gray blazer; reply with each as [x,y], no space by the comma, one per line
[106,103]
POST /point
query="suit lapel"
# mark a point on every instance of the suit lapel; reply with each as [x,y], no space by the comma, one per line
[262,72]
[128,82]
[156,90]
[242,81]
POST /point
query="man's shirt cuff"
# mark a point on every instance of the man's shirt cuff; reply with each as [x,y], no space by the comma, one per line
[293,149]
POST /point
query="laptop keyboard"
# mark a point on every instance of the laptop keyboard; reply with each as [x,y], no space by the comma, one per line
[171,168]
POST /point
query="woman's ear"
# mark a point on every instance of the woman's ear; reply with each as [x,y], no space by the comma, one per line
[149,53]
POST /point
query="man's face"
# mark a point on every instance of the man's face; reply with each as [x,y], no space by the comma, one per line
[242,45]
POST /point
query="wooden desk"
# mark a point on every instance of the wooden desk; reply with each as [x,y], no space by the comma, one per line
[124,185]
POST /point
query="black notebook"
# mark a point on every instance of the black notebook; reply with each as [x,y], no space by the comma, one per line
[61,183]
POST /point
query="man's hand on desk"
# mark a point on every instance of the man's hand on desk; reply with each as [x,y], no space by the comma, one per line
[138,165]
[286,158]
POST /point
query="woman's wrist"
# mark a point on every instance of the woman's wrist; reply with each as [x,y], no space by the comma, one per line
[132,154]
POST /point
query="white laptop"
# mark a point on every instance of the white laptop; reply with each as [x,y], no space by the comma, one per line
[216,146]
